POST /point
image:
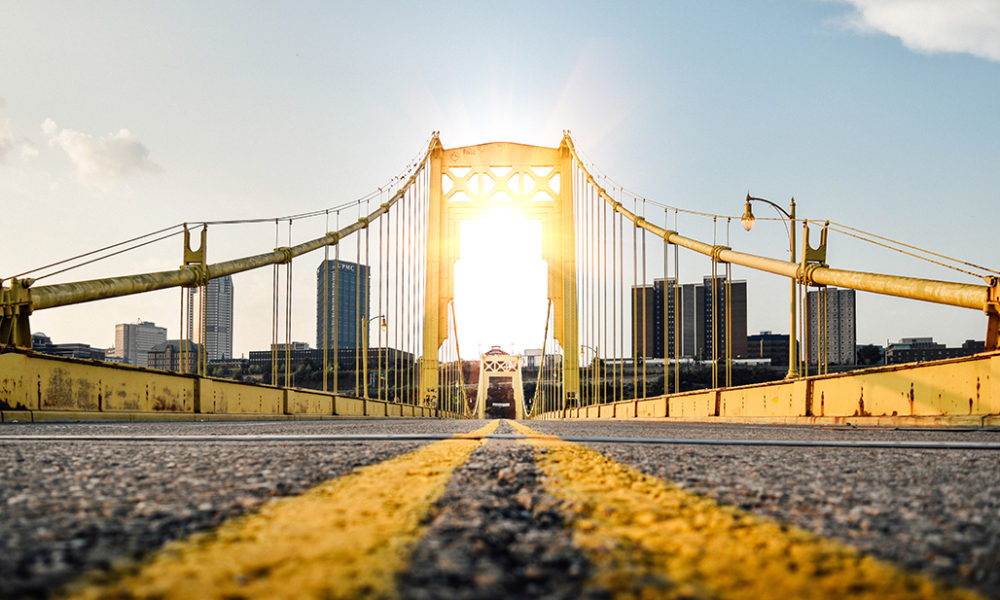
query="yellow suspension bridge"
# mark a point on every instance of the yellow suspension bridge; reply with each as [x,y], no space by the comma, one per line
[595,246]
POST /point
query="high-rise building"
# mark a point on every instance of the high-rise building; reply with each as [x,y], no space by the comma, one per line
[840,326]
[715,322]
[654,306]
[218,311]
[654,319]
[692,318]
[346,286]
[134,340]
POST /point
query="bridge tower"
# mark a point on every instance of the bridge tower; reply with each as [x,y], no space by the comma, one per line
[465,183]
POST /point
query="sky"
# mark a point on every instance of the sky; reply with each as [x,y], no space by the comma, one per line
[119,118]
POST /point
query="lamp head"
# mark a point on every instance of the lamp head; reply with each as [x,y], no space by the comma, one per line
[383,324]
[748,218]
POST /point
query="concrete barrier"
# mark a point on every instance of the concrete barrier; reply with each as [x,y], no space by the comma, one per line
[307,403]
[39,387]
[958,391]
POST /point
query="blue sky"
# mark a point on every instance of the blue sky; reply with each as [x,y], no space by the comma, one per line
[119,118]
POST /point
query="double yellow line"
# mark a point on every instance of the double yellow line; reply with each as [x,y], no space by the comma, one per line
[345,538]
[645,538]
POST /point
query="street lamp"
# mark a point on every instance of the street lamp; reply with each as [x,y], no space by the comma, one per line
[364,361]
[748,221]
[595,381]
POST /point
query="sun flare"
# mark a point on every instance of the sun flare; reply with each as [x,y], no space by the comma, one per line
[500,283]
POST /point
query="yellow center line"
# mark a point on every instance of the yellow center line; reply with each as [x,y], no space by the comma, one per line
[344,538]
[648,538]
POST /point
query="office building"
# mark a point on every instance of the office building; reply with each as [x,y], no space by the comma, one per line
[217,307]
[841,327]
[765,344]
[346,286]
[42,344]
[168,356]
[133,341]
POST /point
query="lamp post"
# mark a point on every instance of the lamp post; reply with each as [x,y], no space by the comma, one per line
[748,221]
[595,381]
[364,359]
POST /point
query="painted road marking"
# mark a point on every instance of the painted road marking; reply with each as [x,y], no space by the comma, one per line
[344,538]
[649,538]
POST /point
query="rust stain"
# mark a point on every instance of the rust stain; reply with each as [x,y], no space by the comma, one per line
[911,399]
[861,412]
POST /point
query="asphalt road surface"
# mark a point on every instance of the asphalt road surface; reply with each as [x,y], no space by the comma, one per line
[492,517]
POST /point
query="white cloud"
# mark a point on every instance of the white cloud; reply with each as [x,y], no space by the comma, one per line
[101,160]
[6,138]
[930,26]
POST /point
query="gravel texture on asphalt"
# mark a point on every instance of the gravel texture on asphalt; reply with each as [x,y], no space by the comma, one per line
[932,511]
[66,507]
[496,534]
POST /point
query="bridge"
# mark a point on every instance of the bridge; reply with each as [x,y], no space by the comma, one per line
[608,480]
[602,249]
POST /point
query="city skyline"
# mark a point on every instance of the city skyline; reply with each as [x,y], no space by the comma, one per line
[879,119]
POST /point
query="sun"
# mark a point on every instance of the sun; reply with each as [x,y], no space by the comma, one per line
[500,283]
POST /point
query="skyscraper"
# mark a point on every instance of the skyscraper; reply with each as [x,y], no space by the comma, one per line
[218,307]
[347,289]
[134,340]
[840,324]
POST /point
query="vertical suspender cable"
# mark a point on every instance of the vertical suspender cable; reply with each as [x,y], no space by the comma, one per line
[366,333]
[336,310]
[359,315]
[826,326]
[274,316]
[677,310]
[326,305]
[594,303]
[715,311]
[604,292]
[408,292]
[645,348]
[621,298]
[382,310]
[595,203]
[729,314]
[423,194]
[182,358]
[635,312]
[288,311]
[804,328]
[614,307]
[397,305]
[666,306]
